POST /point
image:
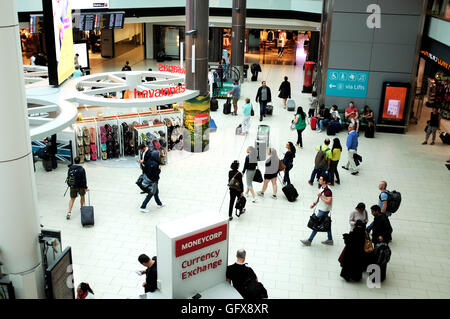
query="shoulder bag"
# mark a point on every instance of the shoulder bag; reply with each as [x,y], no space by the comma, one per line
[258,176]
[235,184]
[281,167]
[368,246]
[252,112]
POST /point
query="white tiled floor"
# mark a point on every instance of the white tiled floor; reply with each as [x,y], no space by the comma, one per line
[106,255]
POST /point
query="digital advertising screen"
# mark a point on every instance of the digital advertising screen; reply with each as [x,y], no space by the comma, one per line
[118,24]
[59,276]
[393,103]
[83,54]
[59,39]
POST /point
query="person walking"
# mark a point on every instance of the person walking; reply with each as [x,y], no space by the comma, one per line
[220,74]
[247,112]
[270,175]
[313,104]
[84,291]
[432,126]
[336,152]
[300,125]
[263,96]
[76,180]
[285,91]
[235,94]
[324,204]
[288,161]
[352,146]
[359,214]
[238,188]
[250,166]
[152,170]
[322,161]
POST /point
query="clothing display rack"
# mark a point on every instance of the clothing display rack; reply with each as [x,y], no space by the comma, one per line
[155,137]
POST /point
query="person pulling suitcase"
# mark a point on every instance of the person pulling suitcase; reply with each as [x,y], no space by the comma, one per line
[76,181]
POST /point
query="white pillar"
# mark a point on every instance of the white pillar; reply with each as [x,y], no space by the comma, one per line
[19,223]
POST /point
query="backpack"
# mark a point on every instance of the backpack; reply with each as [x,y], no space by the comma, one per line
[321,158]
[253,289]
[393,201]
[72,177]
[382,254]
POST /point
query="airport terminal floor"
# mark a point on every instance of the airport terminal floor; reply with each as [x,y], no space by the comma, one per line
[270,231]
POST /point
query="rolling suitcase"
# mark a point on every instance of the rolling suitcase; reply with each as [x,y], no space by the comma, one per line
[331,129]
[239,129]
[261,150]
[269,109]
[290,192]
[227,107]
[290,105]
[313,123]
[87,214]
[214,104]
[370,131]
[47,164]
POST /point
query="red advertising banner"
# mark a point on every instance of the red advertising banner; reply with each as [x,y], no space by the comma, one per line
[394,102]
[200,240]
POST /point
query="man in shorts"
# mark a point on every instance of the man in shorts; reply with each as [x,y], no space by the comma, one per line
[236,94]
[79,184]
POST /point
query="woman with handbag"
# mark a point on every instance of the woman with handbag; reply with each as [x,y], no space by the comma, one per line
[235,185]
[354,257]
[288,160]
[250,166]
[151,174]
[272,169]
[300,125]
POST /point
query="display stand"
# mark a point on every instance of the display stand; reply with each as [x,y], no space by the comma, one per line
[150,134]
[83,143]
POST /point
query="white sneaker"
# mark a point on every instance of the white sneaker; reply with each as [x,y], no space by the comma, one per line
[254,200]
[161,206]
[319,131]
[246,195]
[143,210]
[260,194]
[274,196]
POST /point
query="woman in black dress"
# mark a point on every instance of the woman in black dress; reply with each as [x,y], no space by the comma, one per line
[235,193]
[285,91]
[354,258]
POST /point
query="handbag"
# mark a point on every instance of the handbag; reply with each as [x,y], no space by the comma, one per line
[368,245]
[252,112]
[281,167]
[293,126]
[426,127]
[258,176]
[234,184]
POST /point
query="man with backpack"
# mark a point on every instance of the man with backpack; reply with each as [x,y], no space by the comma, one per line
[388,202]
[322,161]
[244,278]
[352,146]
[76,180]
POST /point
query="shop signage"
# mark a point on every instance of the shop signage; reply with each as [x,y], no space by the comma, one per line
[200,240]
[347,83]
[436,59]
[171,68]
[148,94]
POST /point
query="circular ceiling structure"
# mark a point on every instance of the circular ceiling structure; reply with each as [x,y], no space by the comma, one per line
[34,73]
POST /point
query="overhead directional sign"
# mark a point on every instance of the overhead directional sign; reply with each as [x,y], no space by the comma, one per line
[347,83]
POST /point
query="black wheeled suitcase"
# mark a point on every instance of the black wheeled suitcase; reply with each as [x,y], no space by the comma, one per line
[87,214]
[369,132]
[331,129]
[47,164]
[214,104]
[290,192]
[227,107]
[269,109]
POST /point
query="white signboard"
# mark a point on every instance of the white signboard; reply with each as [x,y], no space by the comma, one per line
[89,4]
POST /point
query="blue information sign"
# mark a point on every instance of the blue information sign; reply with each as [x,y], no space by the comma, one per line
[347,83]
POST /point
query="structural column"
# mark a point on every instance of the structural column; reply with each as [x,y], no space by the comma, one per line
[238,35]
[19,223]
[196,111]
